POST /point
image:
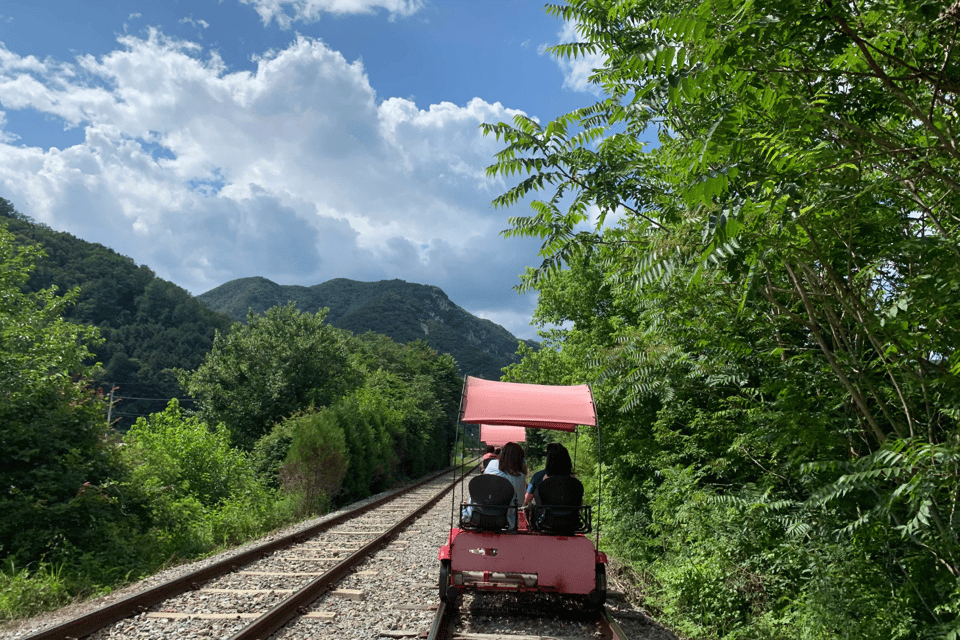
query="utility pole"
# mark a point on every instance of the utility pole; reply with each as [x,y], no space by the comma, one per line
[110,406]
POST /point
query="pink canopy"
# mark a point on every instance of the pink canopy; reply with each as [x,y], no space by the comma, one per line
[500,434]
[538,406]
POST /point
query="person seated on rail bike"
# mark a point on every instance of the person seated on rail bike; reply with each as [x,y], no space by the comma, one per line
[487,457]
[538,476]
[558,497]
[511,466]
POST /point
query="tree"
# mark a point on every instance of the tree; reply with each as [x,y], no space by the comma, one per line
[316,461]
[278,363]
[54,443]
[170,450]
[778,280]
[422,389]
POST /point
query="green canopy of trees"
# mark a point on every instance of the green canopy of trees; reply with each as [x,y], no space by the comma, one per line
[53,436]
[766,298]
[292,387]
[265,370]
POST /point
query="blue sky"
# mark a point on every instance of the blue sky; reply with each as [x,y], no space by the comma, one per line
[298,140]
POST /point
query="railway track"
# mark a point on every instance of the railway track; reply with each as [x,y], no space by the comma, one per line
[259,591]
[370,573]
[520,617]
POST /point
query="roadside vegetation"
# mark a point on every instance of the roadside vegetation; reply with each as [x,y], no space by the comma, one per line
[290,417]
[750,249]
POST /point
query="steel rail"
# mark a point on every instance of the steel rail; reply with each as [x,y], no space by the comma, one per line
[440,628]
[95,620]
[293,606]
[609,625]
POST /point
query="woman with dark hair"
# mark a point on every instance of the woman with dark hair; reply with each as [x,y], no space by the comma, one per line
[511,466]
[558,464]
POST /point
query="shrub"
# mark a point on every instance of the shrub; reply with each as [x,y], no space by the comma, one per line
[316,461]
[24,594]
[199,491]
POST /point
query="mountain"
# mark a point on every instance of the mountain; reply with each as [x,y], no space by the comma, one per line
[404,311]
[150,326]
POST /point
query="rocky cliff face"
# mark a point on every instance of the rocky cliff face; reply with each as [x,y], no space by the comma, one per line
[404,311]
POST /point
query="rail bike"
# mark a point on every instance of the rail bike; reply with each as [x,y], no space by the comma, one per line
[542,548]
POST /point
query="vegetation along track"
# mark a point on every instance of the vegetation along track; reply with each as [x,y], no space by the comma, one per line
[255,593]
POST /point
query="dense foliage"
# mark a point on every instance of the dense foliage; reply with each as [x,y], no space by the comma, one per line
[197,492]
[53,442]
[287,371]
[767,302]
[279,362]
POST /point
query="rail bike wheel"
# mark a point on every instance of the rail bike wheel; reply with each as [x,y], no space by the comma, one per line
[445,581]
[599,595]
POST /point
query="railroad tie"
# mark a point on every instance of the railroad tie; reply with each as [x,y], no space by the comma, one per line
[497,636]
[246,591]
[323,615]
[279,573]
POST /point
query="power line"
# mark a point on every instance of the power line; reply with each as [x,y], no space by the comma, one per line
[123,397]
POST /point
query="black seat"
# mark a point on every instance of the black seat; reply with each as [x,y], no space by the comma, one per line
[490,500]
[560,511]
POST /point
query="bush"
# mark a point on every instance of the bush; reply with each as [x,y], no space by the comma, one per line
[23,594]
[199,491]
[316,461]
[173,451]
[270,452]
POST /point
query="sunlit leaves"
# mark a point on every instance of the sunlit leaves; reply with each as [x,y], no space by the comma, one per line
[768,194]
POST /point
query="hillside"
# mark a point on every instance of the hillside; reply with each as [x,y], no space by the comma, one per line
[150,326]
[404,311]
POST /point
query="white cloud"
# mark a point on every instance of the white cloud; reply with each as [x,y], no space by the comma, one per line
[577,71]
[6,136]
[293,171]
[286,12]
[203,24]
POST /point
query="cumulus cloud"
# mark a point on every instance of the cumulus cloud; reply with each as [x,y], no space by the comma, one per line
[286,12]
[293,170]
[577,71]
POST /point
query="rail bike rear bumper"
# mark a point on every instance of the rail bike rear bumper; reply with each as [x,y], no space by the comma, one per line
[522,562]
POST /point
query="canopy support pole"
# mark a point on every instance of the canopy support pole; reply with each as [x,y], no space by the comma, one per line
[458,427]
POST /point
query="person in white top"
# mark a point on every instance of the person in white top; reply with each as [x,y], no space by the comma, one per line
[511,466]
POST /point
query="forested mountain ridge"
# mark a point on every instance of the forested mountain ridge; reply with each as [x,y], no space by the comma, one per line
[149,326]
[404,311]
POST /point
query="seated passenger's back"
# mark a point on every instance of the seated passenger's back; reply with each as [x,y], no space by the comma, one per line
[560,498]
[490,498]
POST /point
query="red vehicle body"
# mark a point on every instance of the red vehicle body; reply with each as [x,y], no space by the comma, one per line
[531,557]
